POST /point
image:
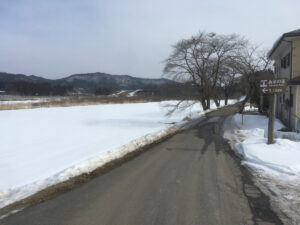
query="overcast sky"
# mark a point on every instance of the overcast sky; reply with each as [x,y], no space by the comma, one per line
[56,38]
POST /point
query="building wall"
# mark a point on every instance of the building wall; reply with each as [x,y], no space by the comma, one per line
[293,112]
[282,111]
[296,73]
[296,58]
[297,122]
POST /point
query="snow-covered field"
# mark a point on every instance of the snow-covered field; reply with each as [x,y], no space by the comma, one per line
[44,146]
[277,166]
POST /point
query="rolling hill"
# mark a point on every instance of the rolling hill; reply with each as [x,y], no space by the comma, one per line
[87,81]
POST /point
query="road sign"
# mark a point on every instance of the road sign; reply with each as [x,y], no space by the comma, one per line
[273,86]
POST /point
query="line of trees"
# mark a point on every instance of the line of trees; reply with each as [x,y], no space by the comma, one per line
[215,65]
[30,89]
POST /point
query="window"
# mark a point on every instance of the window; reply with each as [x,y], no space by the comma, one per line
[288,60]
[285,61]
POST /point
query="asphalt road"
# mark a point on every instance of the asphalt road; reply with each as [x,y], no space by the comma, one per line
[191,178]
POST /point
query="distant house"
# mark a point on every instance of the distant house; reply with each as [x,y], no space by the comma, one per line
[286,54]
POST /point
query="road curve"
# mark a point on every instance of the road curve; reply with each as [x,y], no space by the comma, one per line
[191,178]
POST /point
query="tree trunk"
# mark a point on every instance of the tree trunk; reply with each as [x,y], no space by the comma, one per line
[203,103]
[261,104]
[248,96]
[208,102]
[217,102]
[226,99]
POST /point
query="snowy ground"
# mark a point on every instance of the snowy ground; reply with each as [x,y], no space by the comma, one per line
[44,146]
[276,166]
[133,93]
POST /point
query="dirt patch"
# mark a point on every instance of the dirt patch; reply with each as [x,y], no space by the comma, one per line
[259,203]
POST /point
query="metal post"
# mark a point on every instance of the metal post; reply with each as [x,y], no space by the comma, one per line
[242,118]
[271,119]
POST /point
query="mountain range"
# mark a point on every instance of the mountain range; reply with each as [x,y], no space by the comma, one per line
[87,80]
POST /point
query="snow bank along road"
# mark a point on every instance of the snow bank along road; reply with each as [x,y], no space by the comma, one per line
[191,178]
[276,167]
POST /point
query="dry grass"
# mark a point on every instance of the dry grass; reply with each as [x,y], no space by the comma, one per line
[79,101]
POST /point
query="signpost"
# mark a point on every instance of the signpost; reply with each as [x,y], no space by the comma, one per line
[272,87]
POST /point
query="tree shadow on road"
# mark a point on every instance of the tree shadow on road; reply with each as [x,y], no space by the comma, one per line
[210,134]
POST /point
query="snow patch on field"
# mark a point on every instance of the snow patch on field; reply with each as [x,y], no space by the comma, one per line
[44,146]
[22,101]
[276,166]
[119,93]
[133,93]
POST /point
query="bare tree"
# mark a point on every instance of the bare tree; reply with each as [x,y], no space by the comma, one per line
[201,60]
[229,79]
[251,61]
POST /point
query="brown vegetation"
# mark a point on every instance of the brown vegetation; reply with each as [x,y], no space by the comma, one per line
[80,101]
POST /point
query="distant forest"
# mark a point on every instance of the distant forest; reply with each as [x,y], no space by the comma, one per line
[167,90]
[30,89]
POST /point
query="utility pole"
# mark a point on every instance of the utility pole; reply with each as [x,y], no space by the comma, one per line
[271,119]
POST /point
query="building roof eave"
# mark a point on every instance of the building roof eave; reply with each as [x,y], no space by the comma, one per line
[295,33]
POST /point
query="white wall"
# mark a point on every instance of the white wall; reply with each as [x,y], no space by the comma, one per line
[296,89]
[293,122]
[297,105]
[282,112]
[288,115]
[296,58]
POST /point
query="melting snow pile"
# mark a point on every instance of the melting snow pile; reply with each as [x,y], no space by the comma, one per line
[280,159]
[277,166]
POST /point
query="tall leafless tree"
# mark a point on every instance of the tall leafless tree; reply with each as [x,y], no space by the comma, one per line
[229,79]
[201,60]
[252,60]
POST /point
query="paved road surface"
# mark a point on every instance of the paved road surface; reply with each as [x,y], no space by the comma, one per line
[191,178]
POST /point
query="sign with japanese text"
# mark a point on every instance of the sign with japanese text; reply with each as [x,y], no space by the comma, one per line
[273,86]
